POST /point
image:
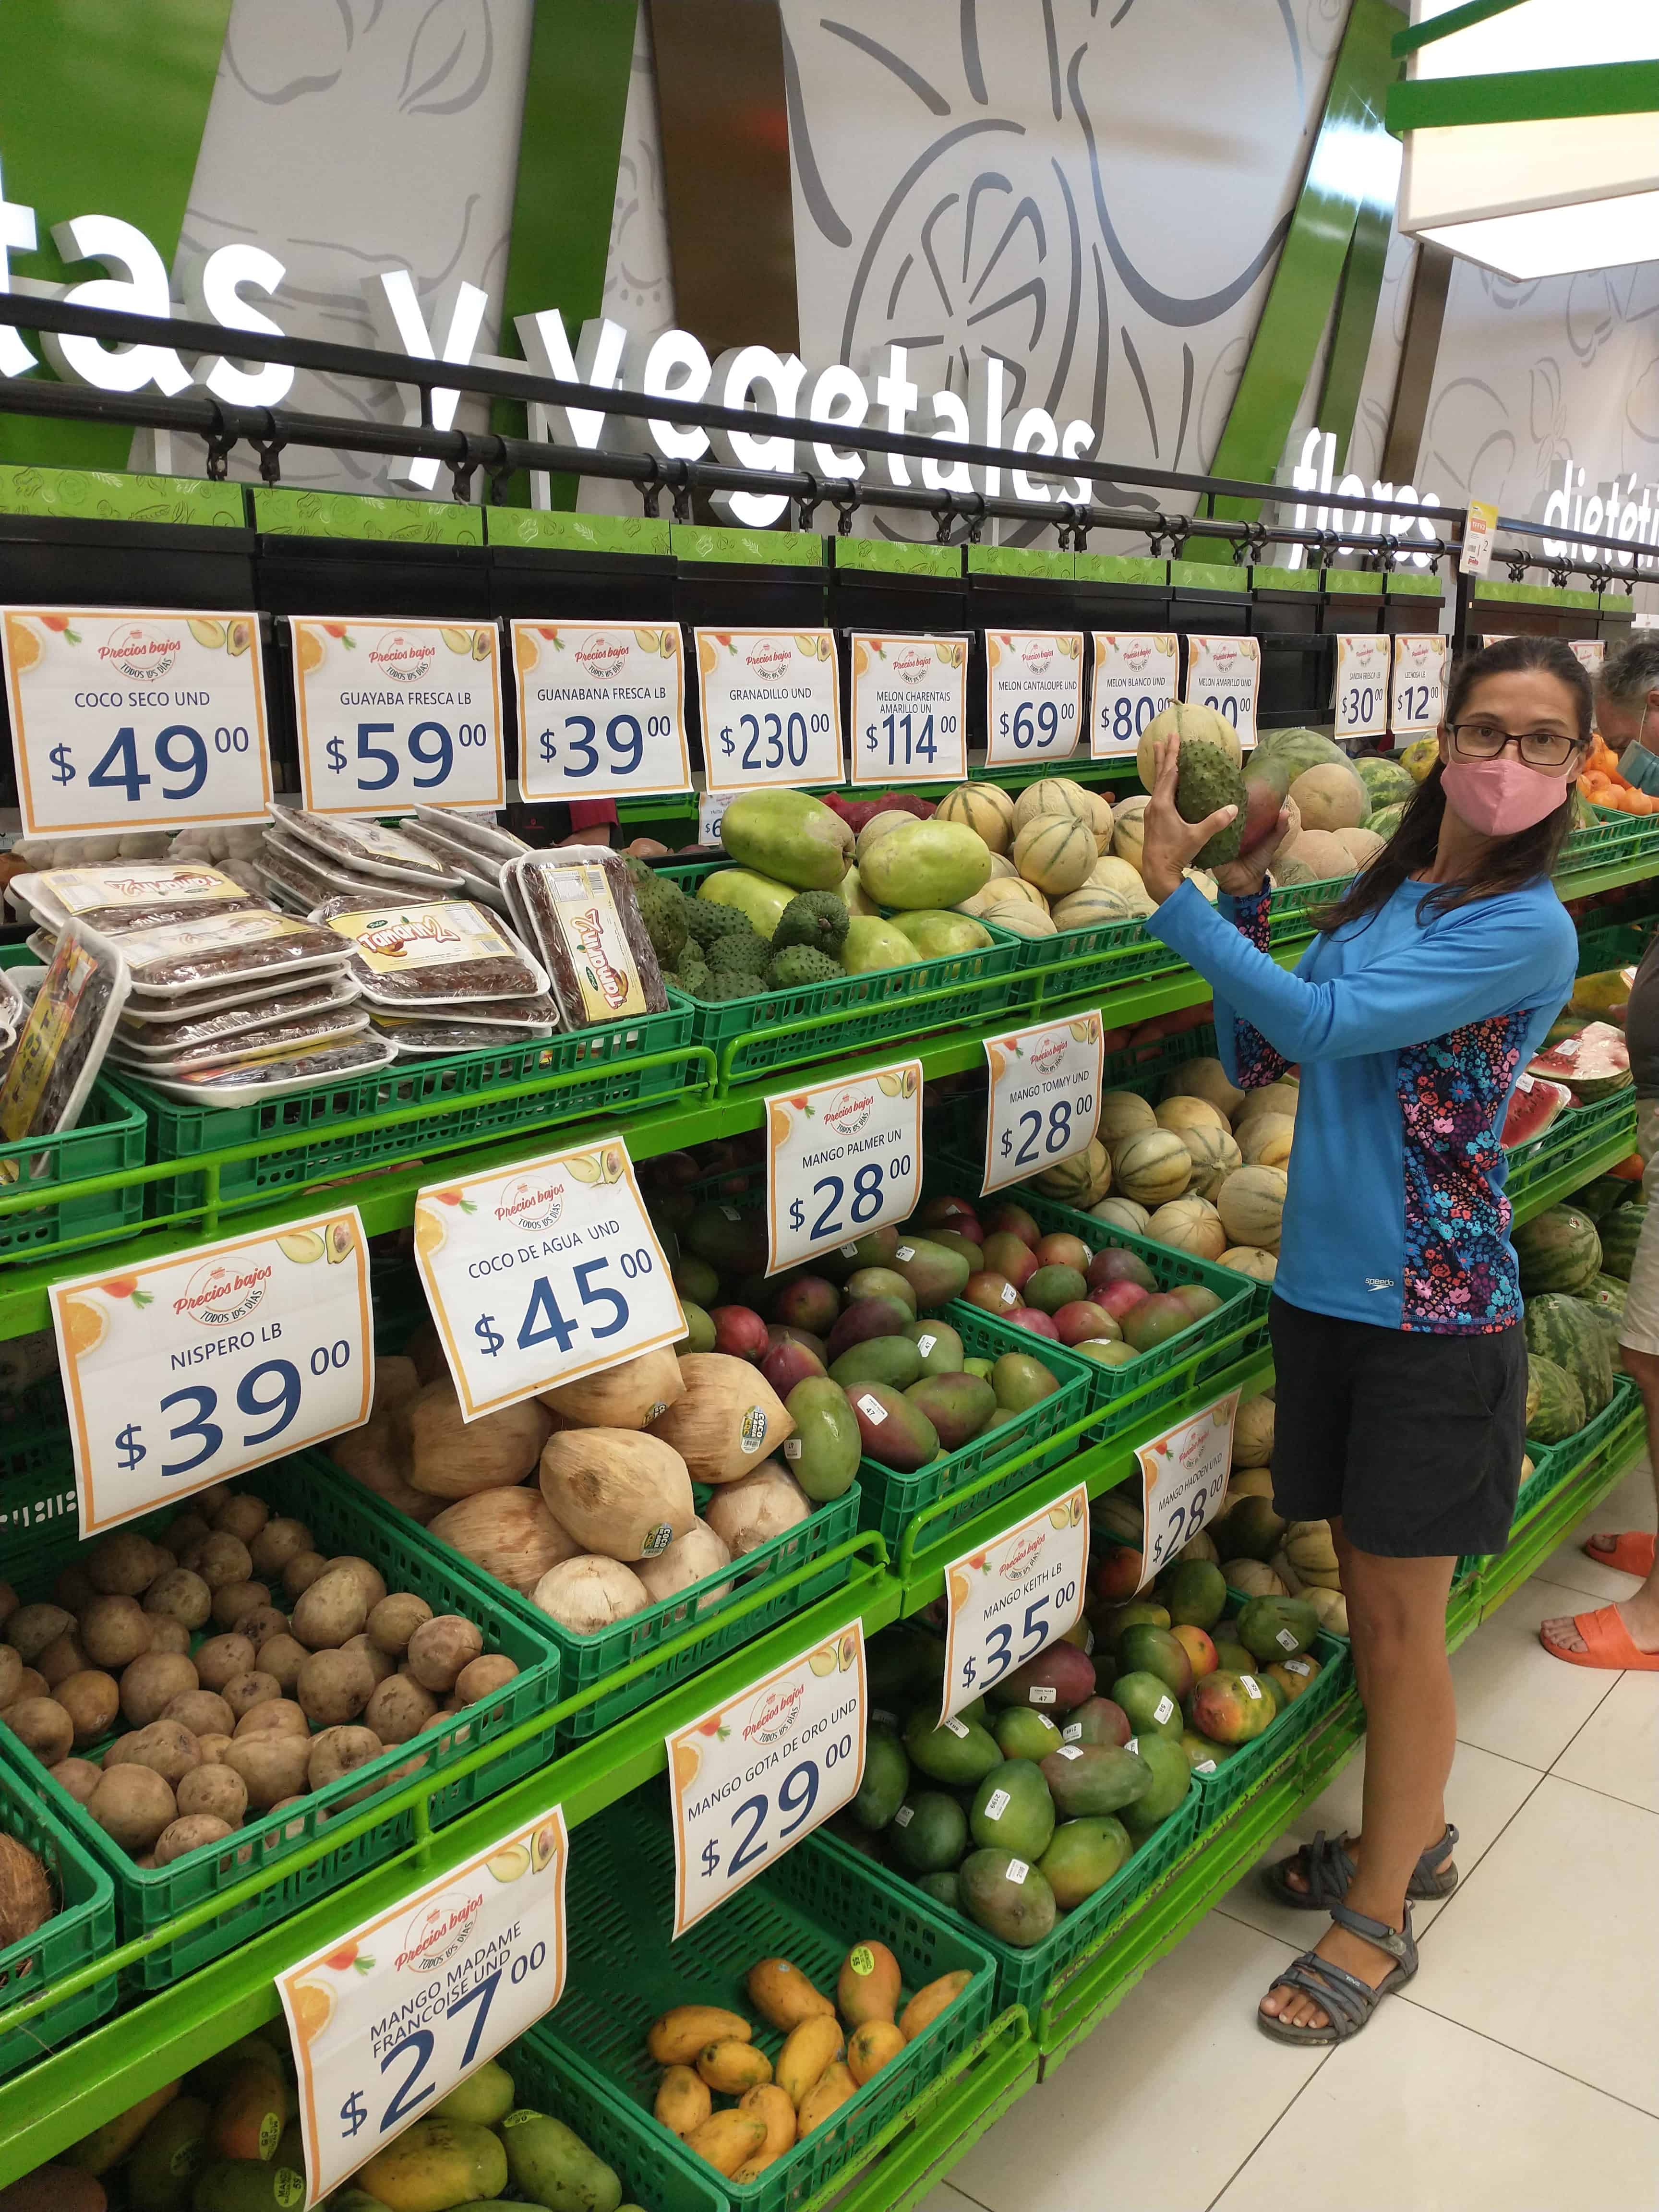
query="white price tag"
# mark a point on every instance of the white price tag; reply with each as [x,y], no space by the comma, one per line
[395,715]
[711,812]
[771,709]
[842,1158]
[909,709]
[1478,535]
[1033,695]
[1590,651]
[1417,690]
[1136,674]
[751,1777]
[1362,684]
[1045,1098]
[386,2023]
[190,1370]
[124,719]
[601,710]
[1226,673]
[1006,1603]
[549,1271]
[1183,1478]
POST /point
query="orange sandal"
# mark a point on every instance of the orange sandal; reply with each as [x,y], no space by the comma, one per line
[1608,1644]
[1631,1553]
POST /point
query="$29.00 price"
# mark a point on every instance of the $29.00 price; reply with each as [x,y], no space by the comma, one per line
[771,1817]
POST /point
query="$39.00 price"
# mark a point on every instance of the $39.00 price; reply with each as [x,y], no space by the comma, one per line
[270,1394]
[625,736]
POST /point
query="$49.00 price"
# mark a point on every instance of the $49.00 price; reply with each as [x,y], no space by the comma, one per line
[430,746]
[869,1186]
[176,751]
[543,1322]
[270,1394]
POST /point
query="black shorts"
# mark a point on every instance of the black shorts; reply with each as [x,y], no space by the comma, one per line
[1415,1441]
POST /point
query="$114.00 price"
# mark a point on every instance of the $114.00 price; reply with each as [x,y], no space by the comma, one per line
[909,708]
[842,1158]
[191,1371]
[1007,1602]
[542,1274]
[750,1778]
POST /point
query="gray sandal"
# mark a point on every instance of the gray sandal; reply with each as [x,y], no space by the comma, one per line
[1346,2001]
[1327,1868]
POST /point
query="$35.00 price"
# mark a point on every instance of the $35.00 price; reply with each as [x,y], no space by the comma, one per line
[1007,1645]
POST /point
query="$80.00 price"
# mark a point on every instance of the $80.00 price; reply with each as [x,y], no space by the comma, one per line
[268,1397]
[177,750]
[431,746]
[838,1207]
[543,1320]
[1008,1646]
[1036,1132]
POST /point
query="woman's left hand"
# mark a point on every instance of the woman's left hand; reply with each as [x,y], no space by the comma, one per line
[1172,845]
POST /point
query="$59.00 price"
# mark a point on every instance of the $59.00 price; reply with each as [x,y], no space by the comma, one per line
[542,1320]
[431,745]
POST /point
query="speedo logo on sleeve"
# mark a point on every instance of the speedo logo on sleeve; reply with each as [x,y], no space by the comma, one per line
[1379,1282]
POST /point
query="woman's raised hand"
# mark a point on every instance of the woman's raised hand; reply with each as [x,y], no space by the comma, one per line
[1172,845]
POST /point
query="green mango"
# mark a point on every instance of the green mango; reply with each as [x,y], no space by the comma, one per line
[960,1753]
[822,1454]
[886,1778]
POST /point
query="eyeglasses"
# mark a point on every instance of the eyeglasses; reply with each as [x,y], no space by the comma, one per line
[1539,748]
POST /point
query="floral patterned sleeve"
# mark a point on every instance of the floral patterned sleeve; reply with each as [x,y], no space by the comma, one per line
[1255,1061]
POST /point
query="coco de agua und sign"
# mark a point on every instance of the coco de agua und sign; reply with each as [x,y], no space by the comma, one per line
[1362,662]
[1183,1479]
[1033,695]
[909,709]
[395,715]
[384,2024]
[1224,674]
[601,710]
[1045,1098]
[124,719]
[752,1776]
[548,1272]
[842,1158]
[1416,687]
[771,708]
[193,1369]
[1007,1602]
[1136,677]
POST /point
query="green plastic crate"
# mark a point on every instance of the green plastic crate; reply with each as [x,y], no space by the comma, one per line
[1553,1465]
[35,1430]
[585,1071]
[108,1140]
[82,1930]
[809,1905]
[1099,957]
[1291,907]
[652,2167]
[893,1503]
[40,1537]
[1237,1777]
[1614,837]
[1573,1135]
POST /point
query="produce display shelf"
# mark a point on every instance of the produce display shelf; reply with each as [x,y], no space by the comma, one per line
[140,2049]
[1584,1485]
[1591,1140]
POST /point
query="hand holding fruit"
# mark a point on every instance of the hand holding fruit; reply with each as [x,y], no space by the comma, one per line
[1172,844]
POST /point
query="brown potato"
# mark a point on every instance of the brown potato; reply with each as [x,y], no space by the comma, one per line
[369,1575]
[114,1631]
[192,1834]
[233,1601]
[223,1657]
[62,1657]
[243,1515]
[132,1805]
[273,1716]
[77,1776]
[43,1726]
[440,1648]
[334,1686]
[184,1529]
[182,1594]
[216,1788]
[73,1588]
[123,1565]
[482,1678]
[166,1560]
[302,1570]
[203,1712]
[282,1656]
[330,1612]
[380,1664]
[11,1675]
[262,1623]
[221,1558]
[150,1684]
[213,1749]
[167,1634]
[338,1751]
[92,1700]
[244,1693]
[396,1619]
[32,1627]
[273,1767]
[167,1747]
[399,1710]
[280,1540]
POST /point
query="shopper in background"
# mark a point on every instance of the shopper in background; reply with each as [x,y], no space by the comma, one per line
[1627,1635]
[1396,1312]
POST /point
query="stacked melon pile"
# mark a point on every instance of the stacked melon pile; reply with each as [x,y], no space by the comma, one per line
[1330,805]
[1061,857]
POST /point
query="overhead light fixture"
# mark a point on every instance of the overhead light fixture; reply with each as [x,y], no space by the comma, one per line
[1531,132]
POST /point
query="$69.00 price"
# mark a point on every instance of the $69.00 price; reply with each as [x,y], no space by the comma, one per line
[543,1320]
[999,1655]
[1051,1133]
[1031,723]
[412,2090]
[269,1394]
[797,1794]
[430,746]
[866,1196]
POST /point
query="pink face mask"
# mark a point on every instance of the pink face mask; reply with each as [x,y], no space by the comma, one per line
[1500,797]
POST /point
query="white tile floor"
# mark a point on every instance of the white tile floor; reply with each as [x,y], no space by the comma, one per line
[1522,2069]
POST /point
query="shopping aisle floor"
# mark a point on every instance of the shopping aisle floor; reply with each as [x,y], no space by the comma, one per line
[1522,2069]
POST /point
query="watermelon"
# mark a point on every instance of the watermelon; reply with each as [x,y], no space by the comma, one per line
[1594,1064]
[1385,820]
[1567,1332]
[1533,1106]
[1387,784]
[1619,1233]
[1558,1250]
[1559,1405]
[1607,1295]
[1300,750]
[1603,1197]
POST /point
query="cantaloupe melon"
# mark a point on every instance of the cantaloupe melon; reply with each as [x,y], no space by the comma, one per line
[1314,856]
[1082,1180]
[1187,1113]
[1110,874]
[1055,851]
[1363,845]
[1252,1206]
[1053,795]
[1021,918]
[1118,1212]
[1184,721]
[986,808]
[1279,1098]
[1002,891]
[1248,1260]
[1129,832]
[1252,1433]
[1190,1224]
[1214,1155]
[1123,1115]
[1264,1141]
[1100,819]
[1205,1078]
[1153,1167]
[1091,908]
[1330,798]
[1002,868]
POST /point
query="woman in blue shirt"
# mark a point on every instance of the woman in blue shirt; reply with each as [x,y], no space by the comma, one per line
[1395,1319]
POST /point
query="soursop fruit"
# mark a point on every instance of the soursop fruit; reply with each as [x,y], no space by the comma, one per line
[798,965]
[1207,780]
[709,921]
[817,918]
[662,909]
[735,954]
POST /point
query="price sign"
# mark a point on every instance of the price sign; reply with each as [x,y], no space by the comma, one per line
[385,2024]
[1045,1098]
[601,710]
[395,715]
[124,719]
[909,709]
[1417,690]
[711,812]
[752,1777]
[841,1160]
[1361,684]
[1033,695]
[1478,534]
[190,1370]
[771,709]
[1226,673]
[1005,1604]
[1184,1477]
[1591,651]
[1135,679]
[548,1272]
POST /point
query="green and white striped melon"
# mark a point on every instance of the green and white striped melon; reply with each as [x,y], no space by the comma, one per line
[1021,918]
[1620,1233]
[1214,1155]
[1123,1114]
[1279,1098]
[1082,1180]
[1128,831]
[1052,794]
[1187,1113]
[1189,1224]
[1110,874]
[1121,1213]
[1055,851]
[1091,908]
[1205,1079]
[1556,1402]
[1153,1167]
[1249,1259]
[1252,1433]
[986,808]
[1264,1141]
[1252,1206]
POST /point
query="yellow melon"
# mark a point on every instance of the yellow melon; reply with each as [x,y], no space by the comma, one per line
[1053,795]
[1024,920]
[985,807]
[1330,796]
[1205,1078]
[1153,1167]
[1280,1097]
[1123,1115]
[1264,1141]
[1129,832]
[1247,1260]
[1252,1206]
[1055,851]
[1214,1155]
[1183,1113]
[1191,1225]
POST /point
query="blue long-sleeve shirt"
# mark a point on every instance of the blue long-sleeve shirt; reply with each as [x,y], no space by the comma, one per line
[1410,1034]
